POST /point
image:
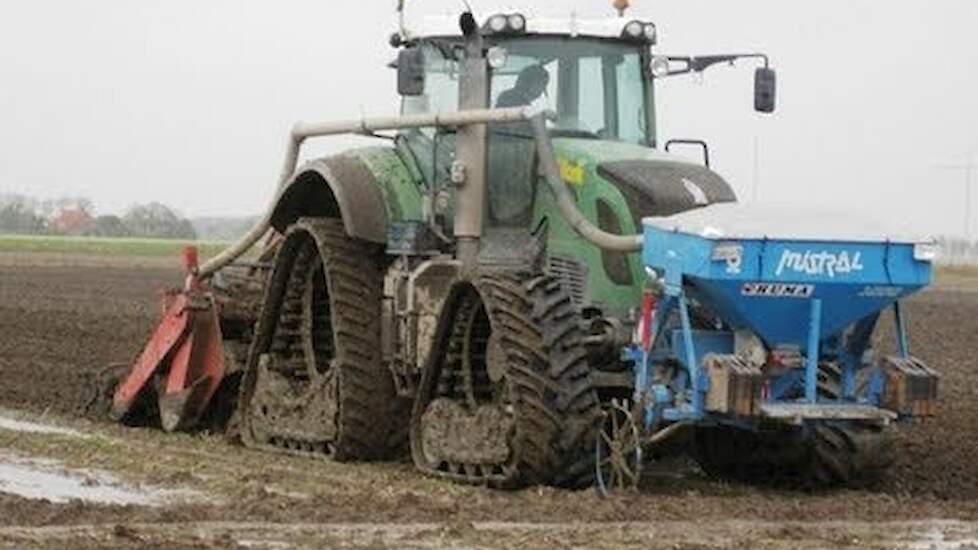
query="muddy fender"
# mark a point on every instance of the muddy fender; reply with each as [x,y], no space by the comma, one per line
[336,187]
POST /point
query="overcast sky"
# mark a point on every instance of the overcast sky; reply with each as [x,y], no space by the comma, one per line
[188,102]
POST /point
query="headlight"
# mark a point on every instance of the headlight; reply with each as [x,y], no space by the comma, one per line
[634,29]
[503,23]
[925,252]
[517,23]
[659,66]
[640,30]
[497,57]
[650,32]
[497,23]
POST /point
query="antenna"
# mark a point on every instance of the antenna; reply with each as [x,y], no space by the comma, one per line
[400,18]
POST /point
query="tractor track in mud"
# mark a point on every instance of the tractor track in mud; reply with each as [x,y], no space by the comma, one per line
[59,323]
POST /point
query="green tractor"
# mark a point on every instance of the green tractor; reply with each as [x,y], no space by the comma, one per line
[433,292]
[465,291]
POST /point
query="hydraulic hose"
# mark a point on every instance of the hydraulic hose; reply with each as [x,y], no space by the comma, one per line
[260,228]
[583,226]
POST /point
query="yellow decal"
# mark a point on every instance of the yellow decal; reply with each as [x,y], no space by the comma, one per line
[571,172]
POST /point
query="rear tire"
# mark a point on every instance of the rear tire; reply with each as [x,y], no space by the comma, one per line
[849,454]
[527,387]
[820,454]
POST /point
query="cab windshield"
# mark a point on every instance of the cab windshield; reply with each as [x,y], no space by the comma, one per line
[598,88]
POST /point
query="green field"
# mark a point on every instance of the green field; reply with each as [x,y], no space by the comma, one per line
[99,246]
[945,276]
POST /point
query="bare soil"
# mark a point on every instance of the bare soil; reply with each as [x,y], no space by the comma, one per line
[60,322]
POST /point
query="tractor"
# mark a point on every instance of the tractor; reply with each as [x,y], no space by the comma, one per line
[470,292]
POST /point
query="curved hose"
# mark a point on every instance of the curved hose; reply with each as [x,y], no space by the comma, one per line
[235,251]
[583,226]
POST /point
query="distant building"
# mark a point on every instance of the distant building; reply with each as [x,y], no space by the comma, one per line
[71,221]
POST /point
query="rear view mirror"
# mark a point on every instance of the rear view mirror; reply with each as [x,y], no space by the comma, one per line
[410,72]
[765,90]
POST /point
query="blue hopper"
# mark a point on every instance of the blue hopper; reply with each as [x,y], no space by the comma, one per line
[760,320]
[786,300]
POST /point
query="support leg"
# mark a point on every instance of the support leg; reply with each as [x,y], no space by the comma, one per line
[901,329]
[692,365]
[811,364]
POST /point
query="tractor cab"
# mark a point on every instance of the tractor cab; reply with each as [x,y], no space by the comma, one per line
[597,79]
[597,84]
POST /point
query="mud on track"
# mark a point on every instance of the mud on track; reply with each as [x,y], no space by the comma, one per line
[59,322]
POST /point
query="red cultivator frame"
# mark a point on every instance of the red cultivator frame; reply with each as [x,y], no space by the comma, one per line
[184,357]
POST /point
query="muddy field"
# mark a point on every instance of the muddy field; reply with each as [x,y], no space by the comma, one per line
[59,322]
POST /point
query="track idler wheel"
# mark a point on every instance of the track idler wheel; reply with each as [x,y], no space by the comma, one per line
[506,399]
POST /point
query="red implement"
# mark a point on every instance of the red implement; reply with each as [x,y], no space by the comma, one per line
[184,357]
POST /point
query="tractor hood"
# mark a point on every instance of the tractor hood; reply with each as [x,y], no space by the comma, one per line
[653,183]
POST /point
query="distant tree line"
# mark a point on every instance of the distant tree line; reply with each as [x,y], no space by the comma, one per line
[19,215]
[957,251]
[76,216]
[223,228]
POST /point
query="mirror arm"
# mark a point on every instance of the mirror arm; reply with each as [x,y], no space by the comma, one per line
[700,63]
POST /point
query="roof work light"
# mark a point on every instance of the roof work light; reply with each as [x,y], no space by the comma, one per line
[501,23]
[640,30]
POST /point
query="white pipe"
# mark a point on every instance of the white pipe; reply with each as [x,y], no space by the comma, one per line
[548,161]
[304,130]
[242,245]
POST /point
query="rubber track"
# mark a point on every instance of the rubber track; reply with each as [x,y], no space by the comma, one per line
[371,420]
[555,405]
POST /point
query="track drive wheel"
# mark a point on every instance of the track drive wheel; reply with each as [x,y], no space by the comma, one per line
[315,382]
[506,399]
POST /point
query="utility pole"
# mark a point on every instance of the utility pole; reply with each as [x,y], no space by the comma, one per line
[969,168]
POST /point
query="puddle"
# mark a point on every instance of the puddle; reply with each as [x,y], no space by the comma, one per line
[944,537]
[50,480]
[15,425]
